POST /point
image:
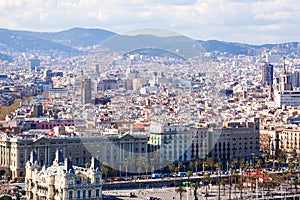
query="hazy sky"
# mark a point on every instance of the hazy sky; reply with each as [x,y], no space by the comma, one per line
[249,21]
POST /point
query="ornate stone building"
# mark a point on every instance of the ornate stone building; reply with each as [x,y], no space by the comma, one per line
[62,180]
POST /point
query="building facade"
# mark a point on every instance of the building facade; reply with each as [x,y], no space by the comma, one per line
[62,180]
[172,141]
[111,150]
[267,74]
[235,140]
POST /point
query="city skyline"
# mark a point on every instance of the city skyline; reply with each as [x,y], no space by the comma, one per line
[252,22]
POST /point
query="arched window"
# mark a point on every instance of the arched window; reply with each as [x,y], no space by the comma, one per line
[90,194]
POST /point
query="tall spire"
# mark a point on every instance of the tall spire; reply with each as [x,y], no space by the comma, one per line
[284,66]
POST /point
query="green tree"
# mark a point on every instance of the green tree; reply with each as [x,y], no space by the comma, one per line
[243,165]
[211,163]
[127,164]
[198,162]
[235,175]
[146,167]
[291,167]
[192,165]
[139,170]
[180,190]
[189,174]
[207,180]
[104,169]
[218,169]
[156,159]
[233,164]
[204,165]
[172,167]
[224,182]
[180,166]
[140,163]
[195,187]
[6,197]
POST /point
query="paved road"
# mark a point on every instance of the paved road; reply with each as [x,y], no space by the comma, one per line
[170,194]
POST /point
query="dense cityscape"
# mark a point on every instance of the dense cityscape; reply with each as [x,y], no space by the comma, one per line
[151,123]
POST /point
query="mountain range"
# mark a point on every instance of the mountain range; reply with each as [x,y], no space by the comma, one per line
[72,41]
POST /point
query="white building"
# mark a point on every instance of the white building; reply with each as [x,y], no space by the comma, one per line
[173,142]
[287,98]
[62,180]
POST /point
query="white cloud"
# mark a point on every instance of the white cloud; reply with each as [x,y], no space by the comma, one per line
[256,21]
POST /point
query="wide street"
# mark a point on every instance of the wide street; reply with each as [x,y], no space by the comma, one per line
[170,194]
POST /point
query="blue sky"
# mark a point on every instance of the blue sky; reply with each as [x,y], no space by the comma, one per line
[248,21]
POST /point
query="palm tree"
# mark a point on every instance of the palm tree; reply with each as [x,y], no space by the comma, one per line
[291,167]
[104,169]
[189,174]
[280,161]
[127,163]
[156,158]
[252,180]
[146,166]
[204,164]
[181,166]
[172,169]
[140,164]
[198,162]
[235,174]
[195,187]
[230,183]
[207,180]
[233,165]
[192,165]
[218,169]
[139,170]
[298,163]
[243,166]
[180,190]
[296,186]
[264,173]
[211,163]
[224,182]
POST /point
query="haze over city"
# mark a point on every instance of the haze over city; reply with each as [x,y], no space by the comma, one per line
[111,100]
[253,22]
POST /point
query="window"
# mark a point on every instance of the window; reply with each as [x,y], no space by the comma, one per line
[90,194]
[83,194]
[97,193]
[78,194]
[70,195]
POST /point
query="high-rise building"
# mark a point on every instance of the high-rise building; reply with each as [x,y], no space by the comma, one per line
[296,79]
[34,63]
[267,74]
[86,91]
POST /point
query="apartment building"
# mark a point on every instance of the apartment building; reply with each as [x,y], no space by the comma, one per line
[289,141]
[199,138]
[235,140]
[172,141]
